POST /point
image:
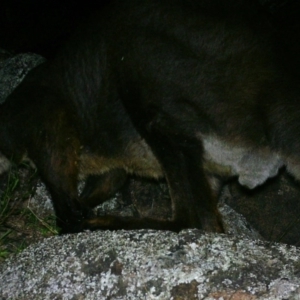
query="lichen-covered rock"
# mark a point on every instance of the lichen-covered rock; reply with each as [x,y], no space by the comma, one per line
[149,264]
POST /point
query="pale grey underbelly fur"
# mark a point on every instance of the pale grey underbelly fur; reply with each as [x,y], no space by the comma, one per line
[252,166]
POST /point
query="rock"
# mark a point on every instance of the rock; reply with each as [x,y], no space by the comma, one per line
[149,264]
[14,69]
[152,196]
[272,209]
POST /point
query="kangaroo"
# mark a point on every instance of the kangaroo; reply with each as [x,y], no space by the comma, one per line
[190,91]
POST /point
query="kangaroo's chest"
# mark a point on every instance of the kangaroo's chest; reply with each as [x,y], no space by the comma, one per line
[253,166]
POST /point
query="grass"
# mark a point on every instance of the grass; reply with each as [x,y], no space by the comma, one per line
[4,253]
[7,205]
[20,225]
[45,225]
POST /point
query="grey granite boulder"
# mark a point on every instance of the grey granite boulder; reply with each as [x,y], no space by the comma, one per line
[149,264]
[13,69]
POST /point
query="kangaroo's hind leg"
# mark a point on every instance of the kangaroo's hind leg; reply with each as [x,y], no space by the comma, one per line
[194,204]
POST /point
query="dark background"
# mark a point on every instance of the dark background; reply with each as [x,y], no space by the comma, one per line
[41,26]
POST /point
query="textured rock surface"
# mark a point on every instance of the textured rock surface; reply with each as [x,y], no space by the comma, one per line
[152,265]
[14,69]
[273,209]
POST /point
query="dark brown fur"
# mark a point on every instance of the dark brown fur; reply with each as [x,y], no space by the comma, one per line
[138,91]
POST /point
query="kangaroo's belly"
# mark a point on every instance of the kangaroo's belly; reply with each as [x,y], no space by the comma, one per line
[136,158]
[252,166]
